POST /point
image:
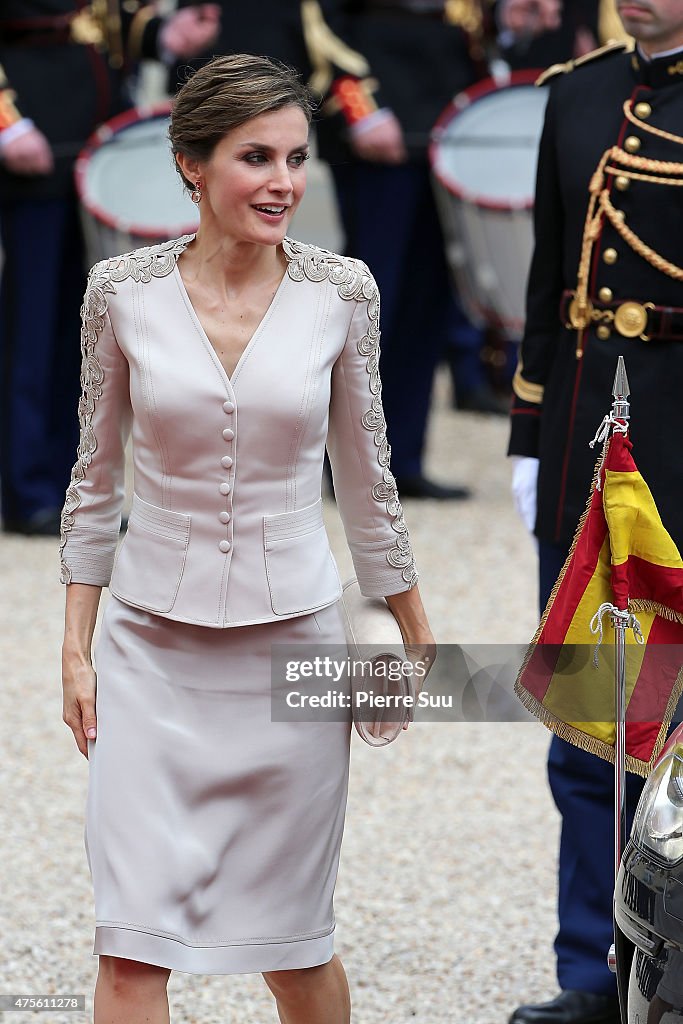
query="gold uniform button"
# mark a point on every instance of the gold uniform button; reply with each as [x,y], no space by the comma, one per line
[632,144]
[605,295]
[603,332]
[642,110]
[622,182]
[610,256]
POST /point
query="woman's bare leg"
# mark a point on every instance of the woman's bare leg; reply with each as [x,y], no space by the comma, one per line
[130,992]
[312,995]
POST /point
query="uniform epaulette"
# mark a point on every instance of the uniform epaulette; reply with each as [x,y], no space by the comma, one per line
[563,69]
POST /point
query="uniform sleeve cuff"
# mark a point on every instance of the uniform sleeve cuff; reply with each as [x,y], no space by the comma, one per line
[14,131]
[525,425]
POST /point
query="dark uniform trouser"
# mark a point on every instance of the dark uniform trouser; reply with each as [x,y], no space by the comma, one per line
[583,790]
[43,280]
[391,223]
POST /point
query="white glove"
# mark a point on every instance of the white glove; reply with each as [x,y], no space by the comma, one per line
[524,484]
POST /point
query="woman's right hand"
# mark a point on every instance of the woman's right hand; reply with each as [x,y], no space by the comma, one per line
[79,684]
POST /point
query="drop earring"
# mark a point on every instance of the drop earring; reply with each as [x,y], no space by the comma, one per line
[196,194]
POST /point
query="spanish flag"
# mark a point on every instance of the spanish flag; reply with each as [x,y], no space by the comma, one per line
[621,555]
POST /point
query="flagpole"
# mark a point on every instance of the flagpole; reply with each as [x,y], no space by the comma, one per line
[621,621]
[620,413]
[620,744]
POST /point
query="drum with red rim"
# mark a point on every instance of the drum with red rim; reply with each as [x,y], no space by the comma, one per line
[483,156]
[130,193]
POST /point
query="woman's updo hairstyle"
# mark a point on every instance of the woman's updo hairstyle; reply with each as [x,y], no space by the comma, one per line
[226,93]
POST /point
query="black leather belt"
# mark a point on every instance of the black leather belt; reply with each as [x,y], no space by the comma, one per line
[629,318]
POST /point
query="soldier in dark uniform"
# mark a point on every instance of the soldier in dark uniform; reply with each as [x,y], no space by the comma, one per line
[388,68]
[606,279]
[62,65]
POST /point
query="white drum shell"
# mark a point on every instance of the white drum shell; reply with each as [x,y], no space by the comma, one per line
[484,162]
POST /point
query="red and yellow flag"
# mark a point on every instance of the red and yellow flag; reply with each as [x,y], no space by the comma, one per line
[621,555]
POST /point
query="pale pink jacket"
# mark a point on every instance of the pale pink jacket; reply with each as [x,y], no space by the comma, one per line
[226,526]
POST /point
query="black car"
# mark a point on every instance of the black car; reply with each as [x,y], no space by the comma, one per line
[648,901]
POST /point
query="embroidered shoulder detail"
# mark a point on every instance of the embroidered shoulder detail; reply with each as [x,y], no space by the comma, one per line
[140,265]
[354,281]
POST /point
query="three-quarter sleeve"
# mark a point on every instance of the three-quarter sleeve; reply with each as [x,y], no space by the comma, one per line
[364,486]
[91,517]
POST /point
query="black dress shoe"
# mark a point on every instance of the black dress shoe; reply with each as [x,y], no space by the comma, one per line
[420,487]
[570,1007]
[46,523]
[482,400]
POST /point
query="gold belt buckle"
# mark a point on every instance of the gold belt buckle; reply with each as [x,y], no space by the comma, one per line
[630,319]
[580,317]
[85,29]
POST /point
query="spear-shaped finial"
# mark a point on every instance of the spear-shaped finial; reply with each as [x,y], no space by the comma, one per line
[620,392]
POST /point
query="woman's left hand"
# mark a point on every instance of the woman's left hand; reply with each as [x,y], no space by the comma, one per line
[418,640]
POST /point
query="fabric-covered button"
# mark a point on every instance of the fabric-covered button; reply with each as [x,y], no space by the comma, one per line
[228,434]
[228,407]
[226,462]
[224,488]
[224,546]
[224,517]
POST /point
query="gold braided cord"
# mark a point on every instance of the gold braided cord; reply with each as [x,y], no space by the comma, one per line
[630,116]
[600,205]
[637,244]
[644,163]
[590,233]
[635,176]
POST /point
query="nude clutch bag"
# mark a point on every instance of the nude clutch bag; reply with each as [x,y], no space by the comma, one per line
[379,692]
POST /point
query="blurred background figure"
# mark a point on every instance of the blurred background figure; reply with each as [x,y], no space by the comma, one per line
[387,69]
[64,71]
[263,27]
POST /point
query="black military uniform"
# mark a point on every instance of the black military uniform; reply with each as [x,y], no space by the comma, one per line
[63,62]
[606,280]
[564,382]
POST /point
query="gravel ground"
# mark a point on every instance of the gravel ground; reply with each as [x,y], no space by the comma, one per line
[445,898]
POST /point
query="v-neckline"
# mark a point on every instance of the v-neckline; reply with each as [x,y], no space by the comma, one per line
[229,377]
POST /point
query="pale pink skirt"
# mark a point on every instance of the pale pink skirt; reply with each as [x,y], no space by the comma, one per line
[212,833]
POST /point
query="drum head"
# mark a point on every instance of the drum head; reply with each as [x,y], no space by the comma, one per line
[485,146]
[127,180]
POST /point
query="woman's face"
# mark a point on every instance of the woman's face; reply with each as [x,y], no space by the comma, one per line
[256,177]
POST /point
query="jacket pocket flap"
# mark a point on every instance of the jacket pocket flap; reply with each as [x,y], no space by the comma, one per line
[287,525]
[161,521]
[302,574]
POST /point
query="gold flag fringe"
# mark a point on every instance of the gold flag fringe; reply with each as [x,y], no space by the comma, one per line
[644,605]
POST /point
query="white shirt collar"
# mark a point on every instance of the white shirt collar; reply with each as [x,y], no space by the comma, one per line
[656,56]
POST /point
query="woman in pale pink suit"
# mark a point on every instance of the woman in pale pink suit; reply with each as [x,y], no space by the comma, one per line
[232,357]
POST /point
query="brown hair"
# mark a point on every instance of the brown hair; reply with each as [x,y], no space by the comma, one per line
[226,93]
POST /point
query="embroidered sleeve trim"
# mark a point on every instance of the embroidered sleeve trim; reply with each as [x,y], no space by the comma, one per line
[354,281]
[140,265]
